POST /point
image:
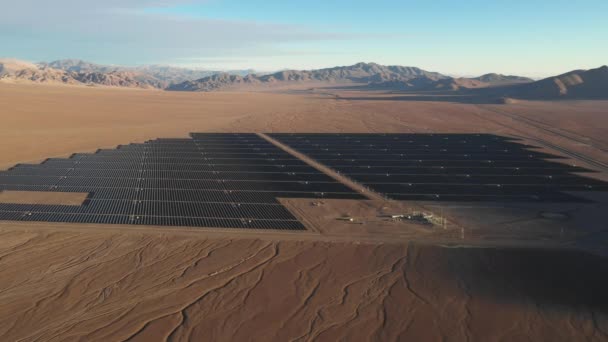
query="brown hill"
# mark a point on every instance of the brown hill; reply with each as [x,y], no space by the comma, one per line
[75,71]
[91,73]
[418,84]
[77,65]
[9,66]
[113,79]
[174,75]
[499,79]
[577,84]
[361,73]
[22,72]
[425,83]
[158,76]
[215,82]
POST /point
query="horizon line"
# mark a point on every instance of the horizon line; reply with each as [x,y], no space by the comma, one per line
[253,70]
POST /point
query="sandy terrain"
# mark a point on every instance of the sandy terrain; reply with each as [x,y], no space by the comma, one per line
[121,286]
[37,197]
[372,279]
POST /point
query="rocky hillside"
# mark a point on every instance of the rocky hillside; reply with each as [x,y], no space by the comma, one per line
[577,84]
[157,76]
[22,72]
[10,66]
[361,73]
[215,82]
[372,74]
[115,79]
[498,79]
[424,83]
[76,65]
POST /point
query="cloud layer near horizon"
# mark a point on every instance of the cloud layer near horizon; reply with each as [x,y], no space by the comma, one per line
[125,30]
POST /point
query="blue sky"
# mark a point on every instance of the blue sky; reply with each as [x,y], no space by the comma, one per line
[534,37]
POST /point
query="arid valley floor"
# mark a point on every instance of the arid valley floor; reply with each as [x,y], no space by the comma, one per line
[496,273]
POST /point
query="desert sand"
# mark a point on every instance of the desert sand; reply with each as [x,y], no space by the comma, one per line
[497,273]
[39,197]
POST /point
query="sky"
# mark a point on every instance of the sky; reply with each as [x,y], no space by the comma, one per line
[534,38]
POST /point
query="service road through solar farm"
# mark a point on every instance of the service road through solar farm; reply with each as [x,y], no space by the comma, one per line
[233,180]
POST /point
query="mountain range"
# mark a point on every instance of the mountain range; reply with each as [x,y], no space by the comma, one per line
[78,72]
[360,73]
[577,84]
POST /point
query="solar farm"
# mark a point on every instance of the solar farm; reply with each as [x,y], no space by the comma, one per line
[447,167]
[234,180]
[210,180]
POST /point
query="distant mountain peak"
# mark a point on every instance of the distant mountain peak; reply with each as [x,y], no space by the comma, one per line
[500,78]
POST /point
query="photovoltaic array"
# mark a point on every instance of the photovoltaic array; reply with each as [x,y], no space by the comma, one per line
[210,180]
[446,167]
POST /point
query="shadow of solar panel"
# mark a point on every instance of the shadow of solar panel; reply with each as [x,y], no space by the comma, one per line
[63,217]
[505,171]
[18,187]
[447,167]
[217,223]
[32,171]
[554,197]
[439,163]
[210,180]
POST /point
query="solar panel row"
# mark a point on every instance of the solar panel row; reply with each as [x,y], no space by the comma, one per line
[446,167]
[210,180]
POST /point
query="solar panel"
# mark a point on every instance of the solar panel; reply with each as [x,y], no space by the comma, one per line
[446,167]
[210,180]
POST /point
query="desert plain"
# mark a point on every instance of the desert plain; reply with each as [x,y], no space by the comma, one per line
[495,273]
